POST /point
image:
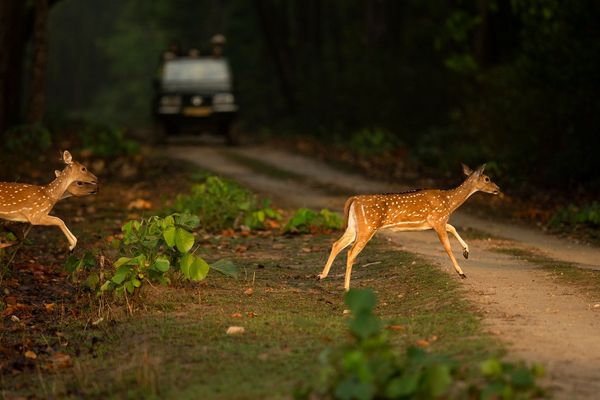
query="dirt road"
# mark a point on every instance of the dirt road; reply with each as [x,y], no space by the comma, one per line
[539,319]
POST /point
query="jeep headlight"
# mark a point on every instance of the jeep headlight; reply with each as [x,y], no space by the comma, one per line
[223,98]
[170,101]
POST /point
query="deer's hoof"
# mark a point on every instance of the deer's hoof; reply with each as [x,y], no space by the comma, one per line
[463,276]
[466,253]
[320,277]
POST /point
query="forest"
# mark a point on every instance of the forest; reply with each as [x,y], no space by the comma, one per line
[143,259]
[511,82]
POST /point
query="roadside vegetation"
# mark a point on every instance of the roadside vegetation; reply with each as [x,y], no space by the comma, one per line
[137,312]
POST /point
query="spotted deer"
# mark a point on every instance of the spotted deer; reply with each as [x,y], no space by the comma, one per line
[415,210]
[31,203]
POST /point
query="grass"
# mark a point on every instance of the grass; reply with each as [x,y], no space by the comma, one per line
[273,171]
[175,346]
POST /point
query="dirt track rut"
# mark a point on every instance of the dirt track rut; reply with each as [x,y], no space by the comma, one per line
[539,319]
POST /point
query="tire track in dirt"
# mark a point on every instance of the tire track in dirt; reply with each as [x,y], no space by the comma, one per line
[539,319]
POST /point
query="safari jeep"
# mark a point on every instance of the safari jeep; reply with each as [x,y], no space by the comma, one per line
[195,93]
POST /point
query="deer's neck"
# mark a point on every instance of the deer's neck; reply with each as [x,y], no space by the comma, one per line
[460,194]
[55,189]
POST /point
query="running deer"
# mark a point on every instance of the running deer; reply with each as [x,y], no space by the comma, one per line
[415,210]
[31,203]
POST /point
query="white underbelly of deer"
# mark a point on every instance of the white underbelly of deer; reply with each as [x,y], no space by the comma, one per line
[410,211]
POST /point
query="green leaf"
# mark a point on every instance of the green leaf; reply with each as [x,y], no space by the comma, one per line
[198,269]
[351,389]
[403,386]
[105,286]
[226,267]
[438,379]
[161,264]
[184,264]
[364,325]
[121,274]
[72,263]
[360,300]
[188,221]
[122,261]
[128,285]
[184,240]
[522,377]
[169,235]
[491,367]
[92,281]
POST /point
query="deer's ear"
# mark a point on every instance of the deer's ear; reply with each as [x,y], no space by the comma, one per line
[57,173]
[67,158]
[467,171]
[480,169]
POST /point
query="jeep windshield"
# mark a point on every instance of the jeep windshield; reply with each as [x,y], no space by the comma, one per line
[196,74]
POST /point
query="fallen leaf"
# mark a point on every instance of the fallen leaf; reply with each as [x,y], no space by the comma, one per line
[251,314]
[96,322]
[422,343]
[395,327]
[236,315]
[14,318]
[139,204]
[278,246]
[49,307]
[241,249]
[30,354]
[235,330]
[249,292]
[307,249]
[60,361]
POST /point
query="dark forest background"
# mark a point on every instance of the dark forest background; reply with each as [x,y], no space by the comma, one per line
[512,82]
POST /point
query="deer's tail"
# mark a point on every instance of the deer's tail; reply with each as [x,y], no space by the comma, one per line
[347,208]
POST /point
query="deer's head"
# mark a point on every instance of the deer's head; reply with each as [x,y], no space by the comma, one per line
[76,172]
[79,188]
[481,181]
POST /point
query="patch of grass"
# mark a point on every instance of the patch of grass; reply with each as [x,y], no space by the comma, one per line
[273,171]
[587,280]
[176,347]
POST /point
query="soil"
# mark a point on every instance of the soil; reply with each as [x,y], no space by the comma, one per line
[539,318]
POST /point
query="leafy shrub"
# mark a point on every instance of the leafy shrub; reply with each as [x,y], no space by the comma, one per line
[367,368]
[27,139]
[151,249]
[372,141]
[107,141]
[572,215]
[305,220]
[221,204]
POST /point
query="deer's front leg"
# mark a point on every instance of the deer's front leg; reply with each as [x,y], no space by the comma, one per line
[443,235]
[49,220]
[464,245]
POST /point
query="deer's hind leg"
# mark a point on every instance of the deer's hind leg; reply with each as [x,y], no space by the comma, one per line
[55,221]
[360,243]
[343,242]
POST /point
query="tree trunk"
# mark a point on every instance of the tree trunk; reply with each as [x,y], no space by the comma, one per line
[37,103]
[13,37]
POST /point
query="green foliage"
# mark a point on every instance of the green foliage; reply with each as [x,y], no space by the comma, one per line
[152,249]
[587,215]
[30,140]
[306,220]
[222,204]
[372,141]
[367,368]
[107,141]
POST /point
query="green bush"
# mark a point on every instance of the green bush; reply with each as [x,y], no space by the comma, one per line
[372,141]
[30,140]
[107,141]
[588,215]
[305,220]
[367,368]
[222,204]
[151,249]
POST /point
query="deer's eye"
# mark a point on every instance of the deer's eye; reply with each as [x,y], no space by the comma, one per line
[79,183]
[486,179]
[83,169]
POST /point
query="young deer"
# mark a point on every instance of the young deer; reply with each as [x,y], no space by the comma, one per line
[31,203]
[415,210]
